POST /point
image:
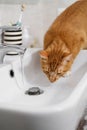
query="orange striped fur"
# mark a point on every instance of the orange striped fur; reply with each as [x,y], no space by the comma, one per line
[64,40]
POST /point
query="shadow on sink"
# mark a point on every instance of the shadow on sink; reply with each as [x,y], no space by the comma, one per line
[77,74]
[33,72]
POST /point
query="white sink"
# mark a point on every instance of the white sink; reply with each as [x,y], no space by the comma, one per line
[59,107]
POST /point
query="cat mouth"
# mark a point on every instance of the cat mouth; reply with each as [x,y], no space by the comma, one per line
[54,79]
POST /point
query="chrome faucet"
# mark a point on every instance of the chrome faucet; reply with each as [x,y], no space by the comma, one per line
[4,49]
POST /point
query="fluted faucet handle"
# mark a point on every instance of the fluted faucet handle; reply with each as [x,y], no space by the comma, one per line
[9,27]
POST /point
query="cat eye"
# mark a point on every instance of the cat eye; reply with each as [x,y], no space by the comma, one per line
[58,73]
[46,72]
[44,60]
[68,60]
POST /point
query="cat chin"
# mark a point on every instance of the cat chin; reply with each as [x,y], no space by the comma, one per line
[67,74]
[52,80]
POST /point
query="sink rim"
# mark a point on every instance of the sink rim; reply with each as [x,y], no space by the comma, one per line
[47,108]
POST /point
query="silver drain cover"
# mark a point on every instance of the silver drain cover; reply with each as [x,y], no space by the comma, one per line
[34,91]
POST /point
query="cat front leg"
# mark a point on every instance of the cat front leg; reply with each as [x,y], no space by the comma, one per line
[67,74]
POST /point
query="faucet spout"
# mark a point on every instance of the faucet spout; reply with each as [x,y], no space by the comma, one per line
[4,49]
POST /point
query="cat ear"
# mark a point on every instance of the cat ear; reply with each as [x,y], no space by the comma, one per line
[67,58]
[43,54]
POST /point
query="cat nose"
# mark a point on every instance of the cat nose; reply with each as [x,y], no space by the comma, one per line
[52,76]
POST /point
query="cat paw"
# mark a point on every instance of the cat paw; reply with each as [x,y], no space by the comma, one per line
[67,74]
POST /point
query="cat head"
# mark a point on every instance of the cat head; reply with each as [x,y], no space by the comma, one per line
[55,62]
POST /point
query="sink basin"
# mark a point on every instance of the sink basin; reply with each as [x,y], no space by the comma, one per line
[60,106]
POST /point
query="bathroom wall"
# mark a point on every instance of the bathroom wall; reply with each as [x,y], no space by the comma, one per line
[37,17]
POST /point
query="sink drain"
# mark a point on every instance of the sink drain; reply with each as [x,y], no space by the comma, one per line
[34,91]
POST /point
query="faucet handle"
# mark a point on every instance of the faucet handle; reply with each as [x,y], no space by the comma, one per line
[16,47]
[9,27]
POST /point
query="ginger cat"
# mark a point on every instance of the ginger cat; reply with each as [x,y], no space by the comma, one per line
[64,40]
